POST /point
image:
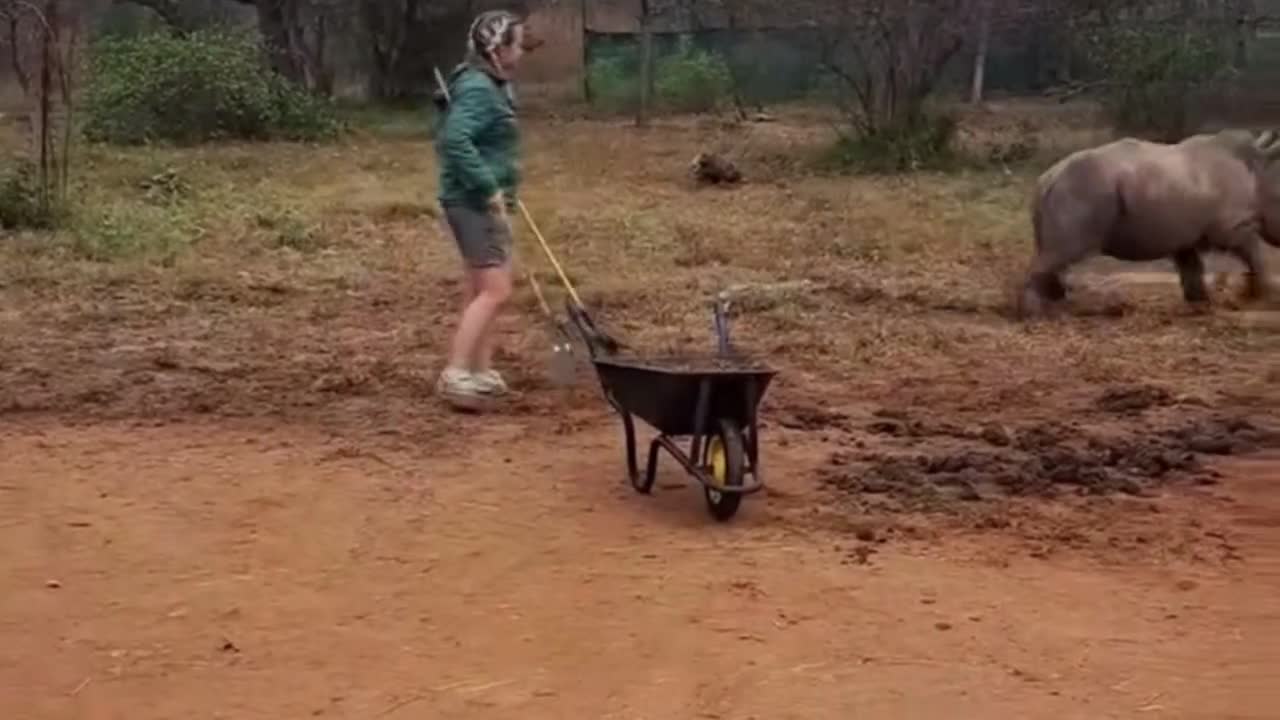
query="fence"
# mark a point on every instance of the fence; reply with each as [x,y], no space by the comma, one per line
[782,65]
[772,66]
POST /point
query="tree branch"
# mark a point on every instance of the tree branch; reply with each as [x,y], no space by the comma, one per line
[15,59]
[170,11]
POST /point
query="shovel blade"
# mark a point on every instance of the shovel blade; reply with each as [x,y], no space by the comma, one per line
[564,366]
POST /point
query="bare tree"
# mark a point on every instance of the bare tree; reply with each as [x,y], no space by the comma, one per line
[648,13]
[887,55]
[406,38]
[14,37]
[737,16]
[44,36]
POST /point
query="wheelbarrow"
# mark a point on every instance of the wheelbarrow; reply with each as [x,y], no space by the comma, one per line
[711,399]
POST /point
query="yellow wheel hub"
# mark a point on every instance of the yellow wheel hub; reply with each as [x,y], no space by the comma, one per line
[719,462]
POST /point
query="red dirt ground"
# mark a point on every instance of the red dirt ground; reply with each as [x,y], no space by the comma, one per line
[230,570]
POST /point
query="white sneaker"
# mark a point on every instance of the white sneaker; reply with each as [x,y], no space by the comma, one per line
[460,388]
[490,382]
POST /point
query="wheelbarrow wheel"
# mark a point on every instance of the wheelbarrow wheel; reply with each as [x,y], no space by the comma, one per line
[726,464]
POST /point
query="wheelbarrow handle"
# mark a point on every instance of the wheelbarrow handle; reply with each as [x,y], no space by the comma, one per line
[720,324]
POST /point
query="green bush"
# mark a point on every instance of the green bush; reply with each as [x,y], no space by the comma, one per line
[20,204]
[926,144]
[208,85]
[1155,73]
[125,231]
[687,80]
[615,87]
[692,80]
[287,228]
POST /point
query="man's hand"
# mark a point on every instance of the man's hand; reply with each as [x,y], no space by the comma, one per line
[498,206]
[498,203]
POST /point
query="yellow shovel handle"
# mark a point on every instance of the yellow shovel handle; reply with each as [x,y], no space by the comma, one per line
[550,256]
[537,291]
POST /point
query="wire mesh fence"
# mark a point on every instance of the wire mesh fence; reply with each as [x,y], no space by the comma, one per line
[762,67]
[700,69]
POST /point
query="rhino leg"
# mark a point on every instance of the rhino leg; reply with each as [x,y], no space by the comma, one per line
[1053,258]
[1044,281]
[1070,225]
[1191,273]
[1259,286]
[1054,289]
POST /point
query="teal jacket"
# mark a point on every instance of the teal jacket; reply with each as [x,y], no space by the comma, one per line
[477,140]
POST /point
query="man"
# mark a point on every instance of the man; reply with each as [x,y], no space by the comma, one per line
[477,146]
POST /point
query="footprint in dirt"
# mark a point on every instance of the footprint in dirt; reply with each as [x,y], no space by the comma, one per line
[1134,399]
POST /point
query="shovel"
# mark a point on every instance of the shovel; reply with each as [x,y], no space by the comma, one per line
[563,367]
[598,341]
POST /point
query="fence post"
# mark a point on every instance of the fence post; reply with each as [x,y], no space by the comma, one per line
[585,34]
[646,65]
[978,87]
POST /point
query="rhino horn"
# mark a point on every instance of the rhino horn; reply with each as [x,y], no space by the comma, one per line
[1269,144]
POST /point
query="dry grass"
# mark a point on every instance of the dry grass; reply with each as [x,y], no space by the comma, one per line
[317,278]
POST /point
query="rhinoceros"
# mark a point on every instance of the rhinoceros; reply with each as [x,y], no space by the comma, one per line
[1137,200]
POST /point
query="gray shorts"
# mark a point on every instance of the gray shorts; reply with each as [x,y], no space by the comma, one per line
[483,238]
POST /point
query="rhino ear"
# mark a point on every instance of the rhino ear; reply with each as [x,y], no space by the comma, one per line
[1265,139]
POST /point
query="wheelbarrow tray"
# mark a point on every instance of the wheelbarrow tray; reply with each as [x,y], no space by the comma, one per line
[665,391]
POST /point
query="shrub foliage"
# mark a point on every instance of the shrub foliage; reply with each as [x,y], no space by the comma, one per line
[206,85]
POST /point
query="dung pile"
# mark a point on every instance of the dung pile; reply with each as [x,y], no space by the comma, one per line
[1043,460]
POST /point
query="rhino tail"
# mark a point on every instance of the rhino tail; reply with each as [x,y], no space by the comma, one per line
[1043,195]
[1036,215]
[1121,208]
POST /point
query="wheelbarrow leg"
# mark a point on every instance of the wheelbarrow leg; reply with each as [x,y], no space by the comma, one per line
[629,430]
[651,470]
[753,434]
[640,484]
[633,471]
[696,445]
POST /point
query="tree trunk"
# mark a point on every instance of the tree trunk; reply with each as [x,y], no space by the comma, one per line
[320,57]
[1245,32]
[20,71]
[735,81]
[307,35]
[646,68]
[274,26]
[67,65]
[586,50]
[1066,44]
[43,133]
[405,40]
[977,90]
